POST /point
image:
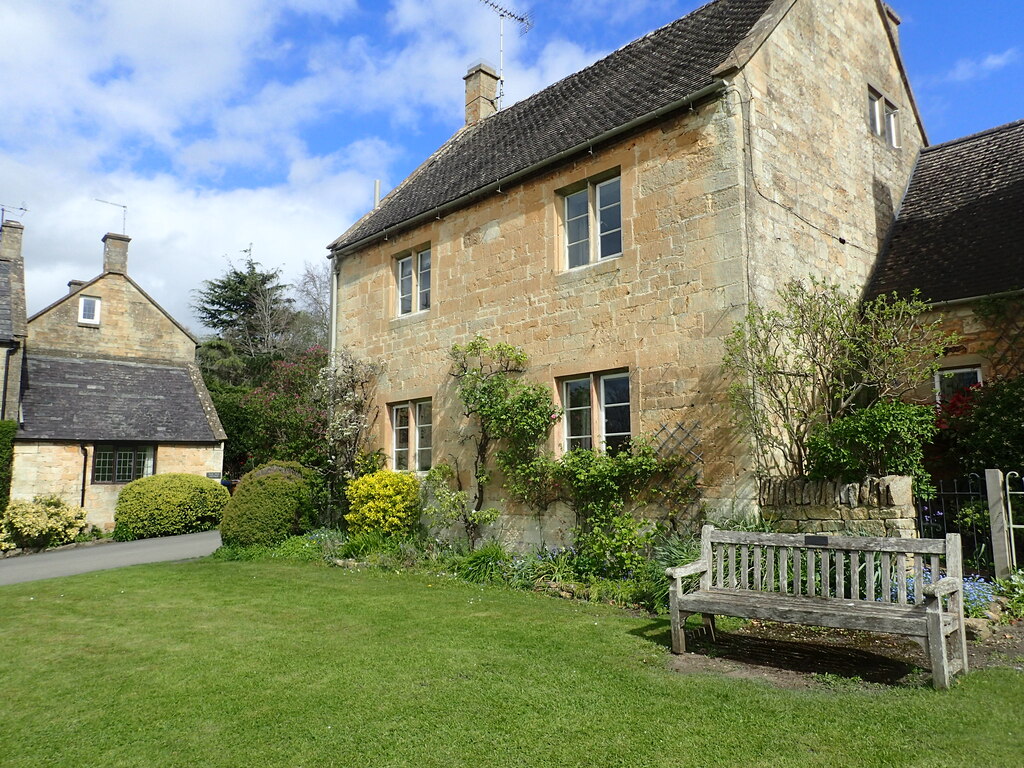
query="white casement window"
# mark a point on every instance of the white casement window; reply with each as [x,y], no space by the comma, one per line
[412,427]
[609,420]
[950,382]
[892,125]
[89,310]
[412,277]
[593,223]
[883,118]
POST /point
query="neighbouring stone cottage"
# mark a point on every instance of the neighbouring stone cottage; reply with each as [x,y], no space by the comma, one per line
[104,385]
[618,223]
[957,239]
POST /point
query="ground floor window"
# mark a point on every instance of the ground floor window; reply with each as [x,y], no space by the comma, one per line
[597,411]
[950,382]
[121,463]
[412,427]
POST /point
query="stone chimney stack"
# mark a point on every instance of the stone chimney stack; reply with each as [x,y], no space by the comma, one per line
[10,252]
[894,21]
[481,92]
[74,285]
[115,253]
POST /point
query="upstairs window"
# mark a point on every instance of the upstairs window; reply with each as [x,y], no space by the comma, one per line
[883,118]
[89,310]
[412,274]
[952,381]
[597,405]
[412,432]
[115,463]
[593,222]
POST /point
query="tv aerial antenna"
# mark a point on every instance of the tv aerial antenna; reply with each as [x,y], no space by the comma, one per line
[525,25]
[5,208]
[124,213]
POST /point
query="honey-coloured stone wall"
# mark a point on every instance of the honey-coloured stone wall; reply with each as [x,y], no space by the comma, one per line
[42,468]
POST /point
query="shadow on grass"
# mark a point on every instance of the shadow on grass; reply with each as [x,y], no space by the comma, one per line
[658,632]
[803,657]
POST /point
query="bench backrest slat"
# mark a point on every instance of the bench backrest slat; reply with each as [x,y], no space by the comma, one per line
[861,543]
[846,567]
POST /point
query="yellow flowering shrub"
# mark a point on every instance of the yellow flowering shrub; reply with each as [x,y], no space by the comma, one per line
[383,501]
[46,521]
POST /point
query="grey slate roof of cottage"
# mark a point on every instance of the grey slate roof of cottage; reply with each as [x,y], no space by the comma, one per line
[663,67]
[97,400]
[6,318]
[959,232]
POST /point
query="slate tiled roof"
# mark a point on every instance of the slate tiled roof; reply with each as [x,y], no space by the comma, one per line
[663,67]
[88,399]
[960,230]
[6,318]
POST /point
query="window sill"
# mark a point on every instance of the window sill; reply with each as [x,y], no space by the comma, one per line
[410,317]
[84,324]
[601,267]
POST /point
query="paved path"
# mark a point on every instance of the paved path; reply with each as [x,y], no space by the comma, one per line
[67,562]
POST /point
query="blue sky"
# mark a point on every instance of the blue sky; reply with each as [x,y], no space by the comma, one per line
[266,121]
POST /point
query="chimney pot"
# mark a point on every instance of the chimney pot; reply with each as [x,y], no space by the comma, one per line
[481,92]
[115,253]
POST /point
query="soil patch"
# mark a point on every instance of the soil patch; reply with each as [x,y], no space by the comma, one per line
[795,656]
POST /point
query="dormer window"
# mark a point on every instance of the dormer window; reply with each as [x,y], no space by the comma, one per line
[89,310]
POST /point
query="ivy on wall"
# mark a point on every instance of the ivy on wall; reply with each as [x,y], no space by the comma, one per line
[7,431]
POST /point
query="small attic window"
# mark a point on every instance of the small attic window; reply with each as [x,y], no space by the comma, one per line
[883,118]
[89,310]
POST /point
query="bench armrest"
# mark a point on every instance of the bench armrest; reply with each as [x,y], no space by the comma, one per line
[690,569]
[943,586]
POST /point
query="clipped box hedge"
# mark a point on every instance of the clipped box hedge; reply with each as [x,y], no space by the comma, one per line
[271,503]
[168,505]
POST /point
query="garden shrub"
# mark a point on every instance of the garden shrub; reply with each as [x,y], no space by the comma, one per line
[988,432]
[485,565]
[46,521]
[271,503]
[168,505]
[384,501]
[886,438]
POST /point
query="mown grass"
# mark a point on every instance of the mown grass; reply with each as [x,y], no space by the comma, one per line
[278,664]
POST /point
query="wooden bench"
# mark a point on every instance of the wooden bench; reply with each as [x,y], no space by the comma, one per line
[847,582]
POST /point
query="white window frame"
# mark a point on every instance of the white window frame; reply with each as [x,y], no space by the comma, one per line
[598,417]
[97,304]
[419,283]
[599,221]
[883,118]
[975,369]
[417,455]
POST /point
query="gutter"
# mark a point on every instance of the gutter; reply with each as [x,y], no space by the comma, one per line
[969,299]
[715,87]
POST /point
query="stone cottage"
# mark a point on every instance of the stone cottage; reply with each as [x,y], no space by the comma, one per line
[957,239]
[108,389]
[617,224]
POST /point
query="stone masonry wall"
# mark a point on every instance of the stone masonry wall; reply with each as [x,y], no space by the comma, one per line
[822,188]
[130,326]
[56,468]
[659,311]
[877,506]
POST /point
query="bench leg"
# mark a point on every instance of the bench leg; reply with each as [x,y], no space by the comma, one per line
[709,623]
[937,646]
[679,631]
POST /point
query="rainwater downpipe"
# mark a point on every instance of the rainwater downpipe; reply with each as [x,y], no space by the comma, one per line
[85,471]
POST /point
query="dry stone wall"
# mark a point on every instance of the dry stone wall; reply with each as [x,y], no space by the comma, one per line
[876,506]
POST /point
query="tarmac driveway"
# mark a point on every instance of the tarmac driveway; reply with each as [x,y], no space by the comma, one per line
[101,557]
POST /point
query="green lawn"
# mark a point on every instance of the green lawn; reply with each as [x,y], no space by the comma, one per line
[267,664]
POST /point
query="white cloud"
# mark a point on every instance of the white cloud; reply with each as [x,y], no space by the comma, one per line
[169,108]
[968,69]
